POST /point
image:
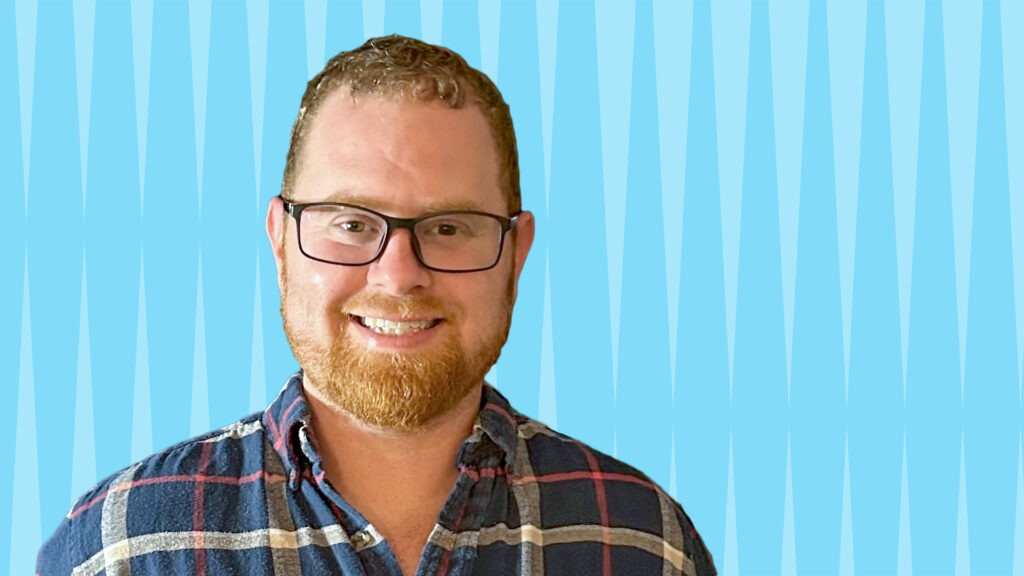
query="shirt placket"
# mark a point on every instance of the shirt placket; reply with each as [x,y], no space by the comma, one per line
[366,552]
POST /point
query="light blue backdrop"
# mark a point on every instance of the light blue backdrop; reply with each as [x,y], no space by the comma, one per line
[780,251]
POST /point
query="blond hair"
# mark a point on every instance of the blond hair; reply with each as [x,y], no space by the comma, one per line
[407,68]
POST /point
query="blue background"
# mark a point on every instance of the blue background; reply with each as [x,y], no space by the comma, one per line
[779,263]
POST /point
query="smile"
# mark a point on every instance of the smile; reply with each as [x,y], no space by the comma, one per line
[395,327]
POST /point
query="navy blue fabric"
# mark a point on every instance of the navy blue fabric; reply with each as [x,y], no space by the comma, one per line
[252,499]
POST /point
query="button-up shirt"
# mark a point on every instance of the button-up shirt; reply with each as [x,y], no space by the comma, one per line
[252,499]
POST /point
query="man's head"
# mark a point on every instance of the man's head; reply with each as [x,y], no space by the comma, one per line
[398,128]
[401,68]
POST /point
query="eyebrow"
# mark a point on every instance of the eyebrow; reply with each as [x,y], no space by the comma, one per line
[347,197]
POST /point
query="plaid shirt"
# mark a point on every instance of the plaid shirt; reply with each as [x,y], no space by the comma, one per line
[252,499]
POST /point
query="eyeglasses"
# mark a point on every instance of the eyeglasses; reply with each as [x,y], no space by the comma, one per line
[449,241]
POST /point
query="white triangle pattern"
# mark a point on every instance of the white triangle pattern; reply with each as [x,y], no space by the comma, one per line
[316,35]
[26,528]
[85,28]
[373,18]
[200,420]
[25,12]
[547,42]
[199,27]
[142,43]
[547,412]
[258,381]
[142,410]
[83,463]
[615,30]
[258,15]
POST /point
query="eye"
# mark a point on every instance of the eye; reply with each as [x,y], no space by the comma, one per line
[447,229]
[353,226]
[453,227]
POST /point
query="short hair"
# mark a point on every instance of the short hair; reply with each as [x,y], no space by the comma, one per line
[406,68]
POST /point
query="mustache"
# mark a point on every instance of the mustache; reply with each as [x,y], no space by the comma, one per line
[405,306]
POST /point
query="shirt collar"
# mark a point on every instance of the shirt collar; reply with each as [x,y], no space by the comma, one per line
[496,425]
[499,422]
[285,416]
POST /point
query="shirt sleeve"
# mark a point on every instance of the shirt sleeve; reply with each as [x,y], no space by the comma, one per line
[54,557]
[694,546]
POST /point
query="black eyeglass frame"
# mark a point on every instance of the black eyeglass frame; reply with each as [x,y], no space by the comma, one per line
[391,224]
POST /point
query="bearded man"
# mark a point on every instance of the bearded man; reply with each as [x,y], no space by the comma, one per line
[399,239]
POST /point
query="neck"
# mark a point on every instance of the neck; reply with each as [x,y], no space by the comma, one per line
[374,466]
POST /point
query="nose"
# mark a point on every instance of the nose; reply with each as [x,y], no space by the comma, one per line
[398,271]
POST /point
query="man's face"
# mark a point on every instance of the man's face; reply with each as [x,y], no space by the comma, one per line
[404,159]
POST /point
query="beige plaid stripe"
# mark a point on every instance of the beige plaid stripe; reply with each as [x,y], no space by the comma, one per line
[673,539]
[531,428]
[237,431]
[272,538]
[279,516]
[540,537]
[531,553]
[114,526]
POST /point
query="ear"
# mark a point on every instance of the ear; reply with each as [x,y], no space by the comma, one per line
[276,220]
[523,240]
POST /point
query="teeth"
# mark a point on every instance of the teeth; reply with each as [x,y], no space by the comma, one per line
[392,328]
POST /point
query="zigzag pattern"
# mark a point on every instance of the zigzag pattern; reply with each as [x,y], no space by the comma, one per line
[779,264]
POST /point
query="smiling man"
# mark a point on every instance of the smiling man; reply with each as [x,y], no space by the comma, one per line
[399,240]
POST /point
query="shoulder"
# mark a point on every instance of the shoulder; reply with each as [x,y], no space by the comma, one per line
[550,452]
[154,495]
[577,485]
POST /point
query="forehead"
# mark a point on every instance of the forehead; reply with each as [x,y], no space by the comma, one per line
[395,153]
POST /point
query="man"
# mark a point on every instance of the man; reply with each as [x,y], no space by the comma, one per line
[399,240]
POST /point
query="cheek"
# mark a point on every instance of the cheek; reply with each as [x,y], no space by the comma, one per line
[485,306]
[315,297]
[318,280]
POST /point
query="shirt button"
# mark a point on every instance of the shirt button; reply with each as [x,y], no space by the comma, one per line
[360,539]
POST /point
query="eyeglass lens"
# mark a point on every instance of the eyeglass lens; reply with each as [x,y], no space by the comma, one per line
[451,241]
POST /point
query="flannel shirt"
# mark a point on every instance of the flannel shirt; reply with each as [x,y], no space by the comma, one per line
[252,499]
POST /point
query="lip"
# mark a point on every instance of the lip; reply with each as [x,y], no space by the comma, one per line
[393,317]
[395,342]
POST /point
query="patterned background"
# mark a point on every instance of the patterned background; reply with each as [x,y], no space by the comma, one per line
[776,265]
